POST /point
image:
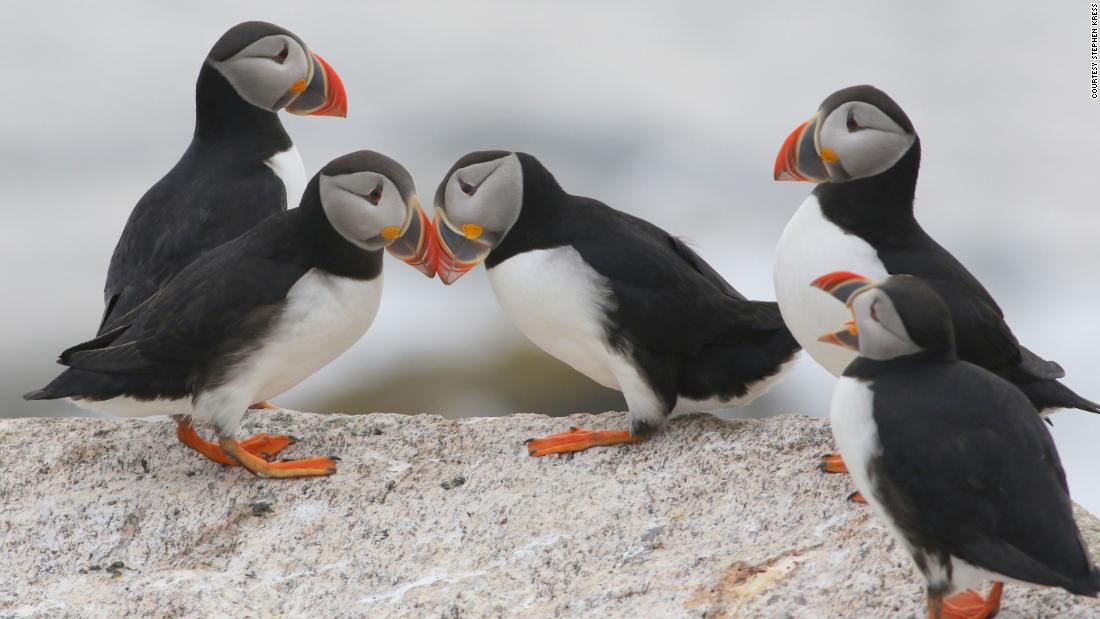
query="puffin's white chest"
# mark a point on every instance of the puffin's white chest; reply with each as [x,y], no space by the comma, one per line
[287,165]
[810,247]
[559,302]
[324,315]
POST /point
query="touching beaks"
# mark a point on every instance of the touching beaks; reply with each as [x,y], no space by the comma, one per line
[416,247]
[843,286]
[798,158]
[458,249]
[324,94]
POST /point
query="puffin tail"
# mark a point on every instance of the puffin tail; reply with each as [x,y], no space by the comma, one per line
[1051,394]
[60,387]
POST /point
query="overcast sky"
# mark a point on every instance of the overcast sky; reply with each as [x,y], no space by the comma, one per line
[673,111]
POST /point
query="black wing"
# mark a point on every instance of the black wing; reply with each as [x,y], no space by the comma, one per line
[981,334]
[200,204]
[667,298]
[968,466]
[216,305]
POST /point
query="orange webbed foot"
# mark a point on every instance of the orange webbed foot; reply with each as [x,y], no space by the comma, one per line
[857,497]
[832,463]
[280,469]
[267,446]
[971,604]
[265,405]
[577,439]
[263,445]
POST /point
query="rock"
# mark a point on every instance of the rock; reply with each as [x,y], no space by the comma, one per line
[438,518]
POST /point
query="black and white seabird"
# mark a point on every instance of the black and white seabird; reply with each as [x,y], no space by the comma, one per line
[863,153]
[615,297]
[240,167]
[951,456]
[253,317]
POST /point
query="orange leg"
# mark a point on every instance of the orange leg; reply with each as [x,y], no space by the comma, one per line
[309,467]
[970,604]
[832,463]
[263,406]
[577,439]
[262,444]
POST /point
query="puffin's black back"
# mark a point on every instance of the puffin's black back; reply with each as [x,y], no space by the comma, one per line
[219,189]
[879,209]
[190,332]
[968,469]
[688,329]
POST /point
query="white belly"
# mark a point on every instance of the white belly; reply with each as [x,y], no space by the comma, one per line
[558,302]
[810,247]
[287,165]
[323,317]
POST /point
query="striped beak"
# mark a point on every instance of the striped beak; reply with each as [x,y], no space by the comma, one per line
[798,159]
[416,246]
[324,94]
[843,286]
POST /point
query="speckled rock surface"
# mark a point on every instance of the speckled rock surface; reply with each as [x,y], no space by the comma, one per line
[435,518]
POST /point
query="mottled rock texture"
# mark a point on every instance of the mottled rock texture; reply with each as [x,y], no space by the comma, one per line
[437,518]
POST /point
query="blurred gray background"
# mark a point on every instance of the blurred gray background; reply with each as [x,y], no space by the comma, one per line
[672,111]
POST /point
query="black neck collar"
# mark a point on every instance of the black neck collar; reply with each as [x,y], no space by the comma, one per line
[222,116]
[876,208]
[866,368]
[537,224]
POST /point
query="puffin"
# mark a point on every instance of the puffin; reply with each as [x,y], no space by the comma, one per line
[950,456]
[617,298]
[240,167]
[252,317]
[864,154]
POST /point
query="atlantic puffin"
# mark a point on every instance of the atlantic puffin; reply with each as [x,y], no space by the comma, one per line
[951,456]
[253,317]
[240,168]
[615,297]
[864,154]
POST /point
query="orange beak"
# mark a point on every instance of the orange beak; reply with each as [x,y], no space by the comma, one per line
[844,286]
[324,95]
[417,246]
[798,159]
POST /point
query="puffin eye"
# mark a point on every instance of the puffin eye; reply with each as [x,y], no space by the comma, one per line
[874,314]
[467,188]
[375,196]
[853,126]
[282,56]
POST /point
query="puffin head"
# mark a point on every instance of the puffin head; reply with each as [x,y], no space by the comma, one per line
[476,205]
[856,133]
[369,199]
[272,68]
[901,315]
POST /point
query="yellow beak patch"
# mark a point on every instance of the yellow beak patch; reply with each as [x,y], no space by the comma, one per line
[828,155]
[472,231]
[298,86]
[391,232]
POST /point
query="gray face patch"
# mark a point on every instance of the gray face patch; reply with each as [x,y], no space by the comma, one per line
[882,334]
[487,194]
[865,140]
[264,72]
[349,204]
